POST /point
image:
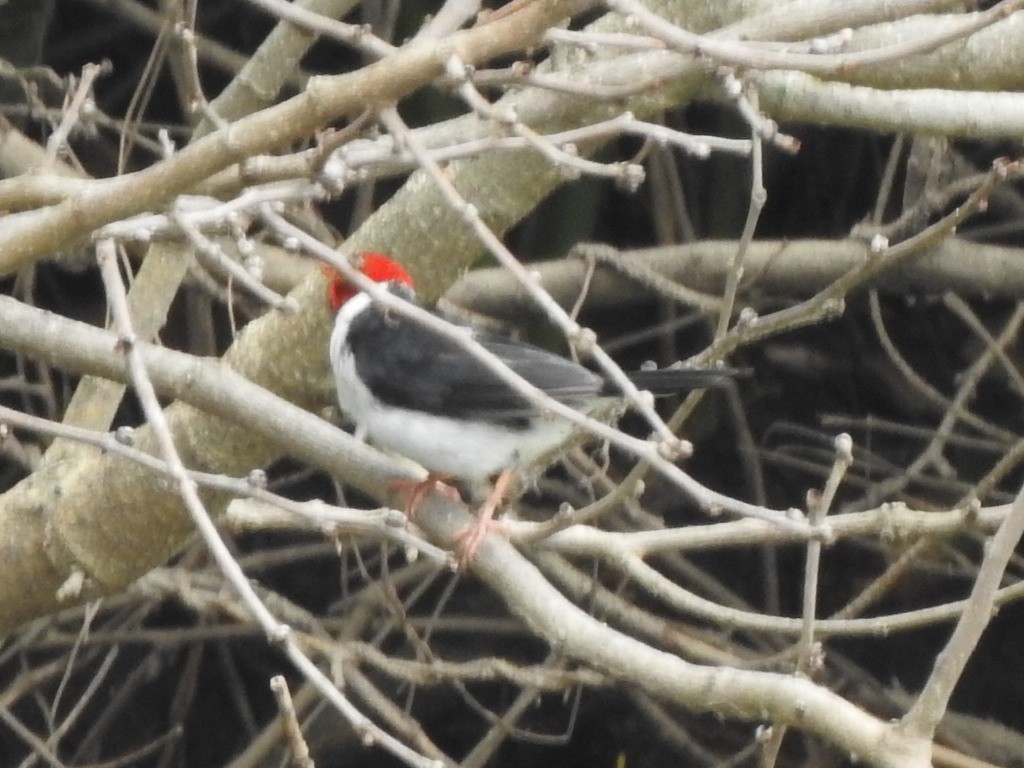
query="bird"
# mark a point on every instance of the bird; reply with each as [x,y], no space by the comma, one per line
[415,391]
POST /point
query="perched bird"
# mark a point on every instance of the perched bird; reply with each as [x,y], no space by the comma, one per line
[417,392]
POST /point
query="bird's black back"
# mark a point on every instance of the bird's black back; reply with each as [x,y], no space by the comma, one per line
[440,377]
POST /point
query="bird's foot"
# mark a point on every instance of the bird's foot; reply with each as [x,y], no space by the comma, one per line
[468,540]
[417,490]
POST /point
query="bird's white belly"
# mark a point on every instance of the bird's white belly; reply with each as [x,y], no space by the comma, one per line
[468,450]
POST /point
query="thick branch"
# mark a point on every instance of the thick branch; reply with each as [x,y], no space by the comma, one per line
[111,519]
[732,692]
[794,96]
[774,269]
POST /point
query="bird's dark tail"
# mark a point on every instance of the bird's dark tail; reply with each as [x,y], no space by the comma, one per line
[666,381]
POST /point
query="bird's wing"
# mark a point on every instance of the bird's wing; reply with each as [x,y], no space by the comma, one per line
[438,376]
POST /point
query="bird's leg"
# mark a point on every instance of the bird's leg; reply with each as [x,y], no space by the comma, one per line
[416,491]
[468,540]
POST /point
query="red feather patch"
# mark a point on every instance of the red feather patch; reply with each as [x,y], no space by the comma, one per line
[381,269]
[375,266]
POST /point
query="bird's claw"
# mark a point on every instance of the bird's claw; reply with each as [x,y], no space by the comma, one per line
[468,540]
[417,490]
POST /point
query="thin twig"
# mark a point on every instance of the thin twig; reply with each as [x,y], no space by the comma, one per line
[350,34]
[277,633]
[298,749]
[72,113]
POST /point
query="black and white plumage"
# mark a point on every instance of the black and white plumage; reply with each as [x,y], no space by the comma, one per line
[418,393]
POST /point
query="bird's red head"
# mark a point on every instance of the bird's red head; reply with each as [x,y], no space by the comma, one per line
[375,266]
